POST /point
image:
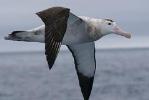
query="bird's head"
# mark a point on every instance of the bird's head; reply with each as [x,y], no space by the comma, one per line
[109,26]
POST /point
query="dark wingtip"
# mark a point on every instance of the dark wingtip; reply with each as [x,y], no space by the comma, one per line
[12,35]
[6,38]
[15,32]
[86,84]
[38,14]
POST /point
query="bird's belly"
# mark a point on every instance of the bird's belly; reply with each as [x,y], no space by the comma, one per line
[74,36]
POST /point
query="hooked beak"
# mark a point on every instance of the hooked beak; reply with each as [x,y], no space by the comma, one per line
[119,31]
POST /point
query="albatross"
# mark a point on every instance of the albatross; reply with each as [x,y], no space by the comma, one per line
[78,33]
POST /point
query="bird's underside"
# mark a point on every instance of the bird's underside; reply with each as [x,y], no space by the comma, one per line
[58,25]
[85,64]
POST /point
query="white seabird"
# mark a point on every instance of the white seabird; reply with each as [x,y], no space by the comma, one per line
[79,33]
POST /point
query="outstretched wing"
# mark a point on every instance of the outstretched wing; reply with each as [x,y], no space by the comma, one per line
[55,20]
[85,63]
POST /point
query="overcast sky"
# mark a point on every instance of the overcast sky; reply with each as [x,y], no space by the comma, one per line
[20,14]
[132,15]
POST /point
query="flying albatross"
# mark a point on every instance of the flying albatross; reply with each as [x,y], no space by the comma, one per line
[78,33]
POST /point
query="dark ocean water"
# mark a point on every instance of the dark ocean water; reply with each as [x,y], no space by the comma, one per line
[120,75]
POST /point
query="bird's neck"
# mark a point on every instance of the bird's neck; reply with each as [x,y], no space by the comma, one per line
[94,27]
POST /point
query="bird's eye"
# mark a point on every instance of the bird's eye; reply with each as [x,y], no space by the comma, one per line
[109,23]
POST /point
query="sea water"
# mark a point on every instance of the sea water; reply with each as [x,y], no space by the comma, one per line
[122,74]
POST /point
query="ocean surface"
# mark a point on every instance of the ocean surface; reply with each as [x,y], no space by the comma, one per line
[122,74]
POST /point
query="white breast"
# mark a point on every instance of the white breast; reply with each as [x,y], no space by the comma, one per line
[79,30]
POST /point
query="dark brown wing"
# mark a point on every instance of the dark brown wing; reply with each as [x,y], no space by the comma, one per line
[55,20]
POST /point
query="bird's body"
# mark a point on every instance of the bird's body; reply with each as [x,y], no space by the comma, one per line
[71,36]
[78,33]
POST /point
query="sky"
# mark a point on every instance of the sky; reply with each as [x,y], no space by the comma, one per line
[131,15]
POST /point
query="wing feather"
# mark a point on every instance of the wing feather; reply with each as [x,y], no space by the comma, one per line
[55,20]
